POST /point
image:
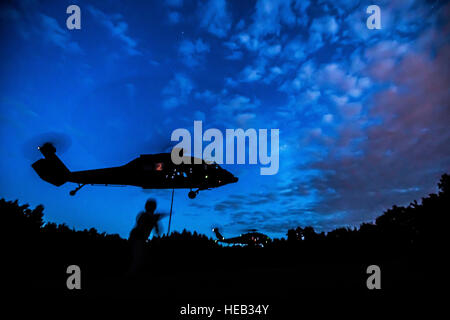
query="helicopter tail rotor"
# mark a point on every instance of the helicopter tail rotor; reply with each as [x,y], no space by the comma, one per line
[217,233]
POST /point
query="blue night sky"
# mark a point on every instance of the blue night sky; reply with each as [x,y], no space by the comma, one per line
[363,114]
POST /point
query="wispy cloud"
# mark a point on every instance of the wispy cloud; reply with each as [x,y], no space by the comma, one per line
[271,16]
[55,34]
[193,52]
[177,91]
[30,23]
[215,17]
[118,29]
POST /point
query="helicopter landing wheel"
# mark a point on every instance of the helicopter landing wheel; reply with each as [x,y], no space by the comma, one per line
[73,192]
[192,194]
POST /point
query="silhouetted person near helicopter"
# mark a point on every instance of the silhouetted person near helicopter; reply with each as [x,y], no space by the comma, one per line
[146,221]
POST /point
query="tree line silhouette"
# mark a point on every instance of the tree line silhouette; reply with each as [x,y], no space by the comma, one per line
[36,254]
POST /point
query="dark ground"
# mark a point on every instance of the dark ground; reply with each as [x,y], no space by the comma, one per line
[405,242]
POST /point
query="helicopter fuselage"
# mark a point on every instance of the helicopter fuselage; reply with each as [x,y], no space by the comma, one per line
[157,172]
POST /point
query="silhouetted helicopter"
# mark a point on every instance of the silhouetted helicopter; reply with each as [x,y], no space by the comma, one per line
[152,171]
[252,238]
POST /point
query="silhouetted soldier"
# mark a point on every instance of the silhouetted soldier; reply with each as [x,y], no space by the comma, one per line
[145,222]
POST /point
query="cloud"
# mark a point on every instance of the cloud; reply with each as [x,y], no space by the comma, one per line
[334,75]
[215,17]
[193,52]
[304,77]
[325,26]
[242,119]
[269,18]
[250,74]
[295,50]
[270,15]
[206,96]
[327,118]
[118,29]
[198,115]
[336,82]
[177,91]
[263,211]
[53,33]
[322,29]
[400,158]
[233,111]
[32,23]
[254,72]
[354,116]
[272,51]
[382,58]
[235,55]
[230,82]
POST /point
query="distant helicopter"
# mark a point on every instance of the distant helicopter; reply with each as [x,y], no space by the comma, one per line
[251,238]
[152,171]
